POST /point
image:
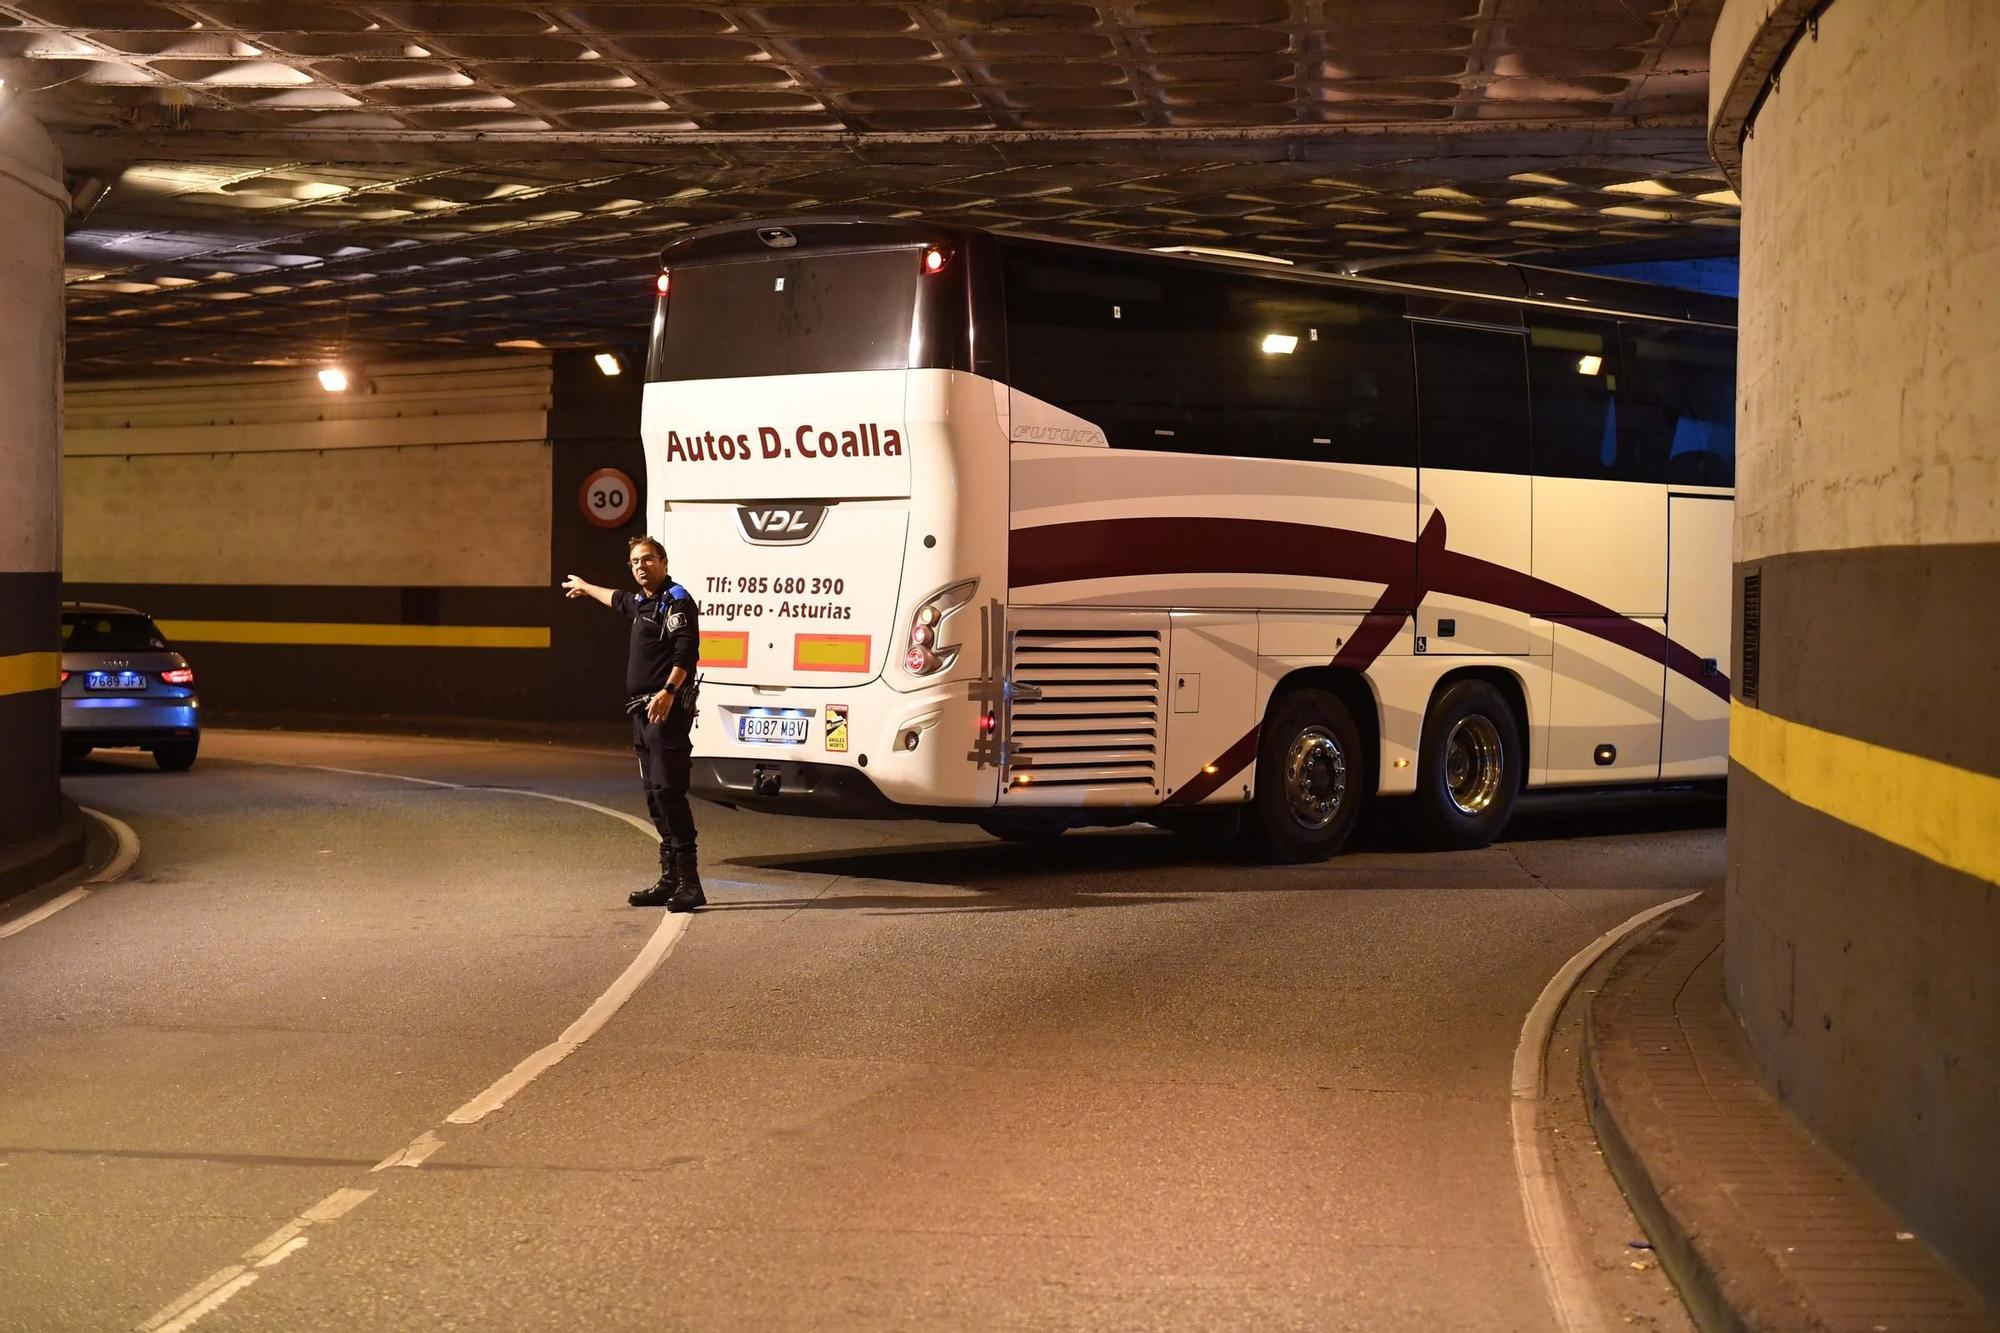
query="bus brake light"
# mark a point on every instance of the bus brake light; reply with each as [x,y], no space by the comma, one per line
[933,259]
[661,283]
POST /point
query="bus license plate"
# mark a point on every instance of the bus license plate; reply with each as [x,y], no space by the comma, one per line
[772,728]
[114,680]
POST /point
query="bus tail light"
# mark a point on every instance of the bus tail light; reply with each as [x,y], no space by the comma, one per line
[934,259]
[927,655]
[178,676]
[662,283]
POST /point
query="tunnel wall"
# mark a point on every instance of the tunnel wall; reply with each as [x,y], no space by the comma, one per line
[32,207]
[1862,951]
[385,553]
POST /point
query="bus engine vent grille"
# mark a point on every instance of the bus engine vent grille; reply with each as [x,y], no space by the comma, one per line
[1085,711]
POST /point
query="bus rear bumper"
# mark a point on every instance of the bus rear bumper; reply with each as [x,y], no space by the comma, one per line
[786,787]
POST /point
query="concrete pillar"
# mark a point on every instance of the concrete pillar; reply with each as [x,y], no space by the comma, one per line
[32,204]
[1863,926]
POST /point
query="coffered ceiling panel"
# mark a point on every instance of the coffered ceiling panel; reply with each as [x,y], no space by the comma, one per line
[264,180]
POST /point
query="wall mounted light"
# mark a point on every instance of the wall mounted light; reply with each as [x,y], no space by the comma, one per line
[333,379]
[1280,344]
[609,364]
[1589,365]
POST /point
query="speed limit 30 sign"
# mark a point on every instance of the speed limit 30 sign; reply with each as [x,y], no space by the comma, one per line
[608,497]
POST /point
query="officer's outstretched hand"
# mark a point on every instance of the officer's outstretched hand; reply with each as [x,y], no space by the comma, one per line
[575,587]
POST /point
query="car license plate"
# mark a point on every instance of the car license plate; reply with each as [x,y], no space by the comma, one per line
[772,728]
[114,680]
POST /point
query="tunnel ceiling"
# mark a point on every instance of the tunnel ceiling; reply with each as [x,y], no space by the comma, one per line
[271,180]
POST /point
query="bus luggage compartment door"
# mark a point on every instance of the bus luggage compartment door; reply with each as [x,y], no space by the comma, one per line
[1212,697]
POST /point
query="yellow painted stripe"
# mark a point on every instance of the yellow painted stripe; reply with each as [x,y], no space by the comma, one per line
[30,671]
[347,636]
[1948,815]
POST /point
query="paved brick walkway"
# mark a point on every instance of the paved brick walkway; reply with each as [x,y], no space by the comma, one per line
[1760,1226]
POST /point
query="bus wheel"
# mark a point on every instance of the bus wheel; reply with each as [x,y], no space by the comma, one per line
[1310,780]
[1469,769]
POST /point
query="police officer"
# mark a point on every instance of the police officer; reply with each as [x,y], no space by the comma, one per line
[666,640]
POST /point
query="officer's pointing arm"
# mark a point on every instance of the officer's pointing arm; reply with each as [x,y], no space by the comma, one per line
[576,587]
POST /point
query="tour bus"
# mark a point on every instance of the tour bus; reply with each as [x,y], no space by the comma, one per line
[1045,534]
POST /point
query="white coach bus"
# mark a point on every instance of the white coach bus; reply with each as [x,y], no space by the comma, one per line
[1043,534]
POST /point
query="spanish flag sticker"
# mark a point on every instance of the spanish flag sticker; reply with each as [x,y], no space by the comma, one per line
[836,727]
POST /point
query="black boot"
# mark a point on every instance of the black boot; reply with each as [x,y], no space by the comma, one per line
[687,893]
[664,888]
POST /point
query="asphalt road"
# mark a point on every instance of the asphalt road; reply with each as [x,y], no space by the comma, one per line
[896,1075]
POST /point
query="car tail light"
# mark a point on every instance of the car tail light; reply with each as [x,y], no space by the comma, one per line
[178,676]
[65,678]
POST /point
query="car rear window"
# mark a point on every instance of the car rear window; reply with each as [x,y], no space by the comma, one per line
[111,634]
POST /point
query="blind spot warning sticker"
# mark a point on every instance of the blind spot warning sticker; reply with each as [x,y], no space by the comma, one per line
[836,727]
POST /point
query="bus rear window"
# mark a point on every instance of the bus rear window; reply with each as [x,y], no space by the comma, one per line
[796,316]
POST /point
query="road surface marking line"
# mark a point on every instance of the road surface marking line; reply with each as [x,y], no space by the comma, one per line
[192,1295]
[665,937]
[112,870]
[276,1240]
[213,1292]
[214,1301]
[335,1205]
[419,1150]
[1564,1266]
[283,1252]
[44,912]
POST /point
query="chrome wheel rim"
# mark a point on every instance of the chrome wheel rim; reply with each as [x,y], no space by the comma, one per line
[1474,762]
[1315,778]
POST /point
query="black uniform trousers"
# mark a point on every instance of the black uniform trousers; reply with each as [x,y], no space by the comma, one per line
[666,762]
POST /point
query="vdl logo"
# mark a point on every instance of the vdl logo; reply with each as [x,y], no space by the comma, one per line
[779,525]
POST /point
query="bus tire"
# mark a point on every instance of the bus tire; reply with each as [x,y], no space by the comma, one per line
[1311,780]
[1469,767]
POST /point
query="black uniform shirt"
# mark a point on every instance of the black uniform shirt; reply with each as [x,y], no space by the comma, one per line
[666,633]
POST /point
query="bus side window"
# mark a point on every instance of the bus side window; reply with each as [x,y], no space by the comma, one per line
[1472,395]
[1111,342]
[1315,374]
[1681,402]
[1573,375]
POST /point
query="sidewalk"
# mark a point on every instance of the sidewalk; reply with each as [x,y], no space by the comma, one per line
[1759,1225]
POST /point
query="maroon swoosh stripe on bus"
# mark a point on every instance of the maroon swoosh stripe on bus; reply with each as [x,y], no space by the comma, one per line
[1132,547]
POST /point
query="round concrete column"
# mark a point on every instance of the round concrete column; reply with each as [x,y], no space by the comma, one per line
[32,204]
[1863,925]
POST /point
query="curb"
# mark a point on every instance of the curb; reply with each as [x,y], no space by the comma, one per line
[33,862]
[1744,1293]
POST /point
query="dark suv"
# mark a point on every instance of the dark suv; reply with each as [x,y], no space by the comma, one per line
[123,686]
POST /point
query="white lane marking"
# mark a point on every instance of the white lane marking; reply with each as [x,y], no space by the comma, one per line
[1565,1267]
[214,1291]
[214,1301]
[113,870]
[44,912]
[520,1076]
[413,1155]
